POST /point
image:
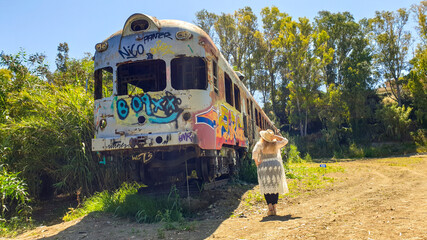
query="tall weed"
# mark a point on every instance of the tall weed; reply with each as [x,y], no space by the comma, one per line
[126,202]
[49,131]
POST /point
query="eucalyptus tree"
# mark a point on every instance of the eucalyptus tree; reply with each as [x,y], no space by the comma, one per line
[306,53]
[226,29]
[206,20]
[417,79]
[350,69]
[342,31]
[272,20]
[392,42]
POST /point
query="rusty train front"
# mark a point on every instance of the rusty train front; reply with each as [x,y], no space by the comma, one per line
[169,105]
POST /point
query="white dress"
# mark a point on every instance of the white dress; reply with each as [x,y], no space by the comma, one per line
[271,173]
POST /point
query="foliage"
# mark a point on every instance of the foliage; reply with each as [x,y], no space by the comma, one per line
[126,202]
[396,121]
[14,196]
[392,43]
[206,20]
[294,155]
[334,115]
[248,170]
[49,130]
[62,57]
[305,52]
[15,200]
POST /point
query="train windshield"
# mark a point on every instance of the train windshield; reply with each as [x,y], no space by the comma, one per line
[139,77]
[188,73]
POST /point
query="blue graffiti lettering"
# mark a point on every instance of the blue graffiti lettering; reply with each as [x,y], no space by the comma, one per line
[163,110]
[122,109]
[136,104]
[129,51]
[157,104]
[187,136]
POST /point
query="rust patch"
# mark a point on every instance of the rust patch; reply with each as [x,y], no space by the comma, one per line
[209,46]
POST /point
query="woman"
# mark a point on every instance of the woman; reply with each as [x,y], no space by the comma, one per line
[271,173]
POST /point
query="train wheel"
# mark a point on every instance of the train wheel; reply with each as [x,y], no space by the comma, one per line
[203,169]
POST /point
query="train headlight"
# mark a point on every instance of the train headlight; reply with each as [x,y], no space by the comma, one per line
[100,47]
[102,124]
[186,116]
[183,35]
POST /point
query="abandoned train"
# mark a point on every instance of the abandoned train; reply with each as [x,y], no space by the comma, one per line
[168,101]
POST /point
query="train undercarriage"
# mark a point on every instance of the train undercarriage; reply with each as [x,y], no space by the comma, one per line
[172,166]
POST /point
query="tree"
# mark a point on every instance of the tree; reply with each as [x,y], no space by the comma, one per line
[392,43]
[79,73]
[306,53]
[342,32]
[62,57]
[226,29]
[206,20]
[417,78]
[273,20]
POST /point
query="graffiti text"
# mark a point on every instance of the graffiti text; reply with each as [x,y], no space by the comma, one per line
[156,36]
[145,156]
[159,110]
[117,145]
[161,48]
[187,136]
[132,51]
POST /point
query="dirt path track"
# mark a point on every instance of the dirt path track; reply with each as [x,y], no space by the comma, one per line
[372,199]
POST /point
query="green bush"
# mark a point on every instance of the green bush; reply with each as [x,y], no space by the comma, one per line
[248,170]
[48,131]
[14,196]
[395,121]
[294,155]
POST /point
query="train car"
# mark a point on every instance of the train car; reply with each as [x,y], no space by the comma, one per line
[167,101]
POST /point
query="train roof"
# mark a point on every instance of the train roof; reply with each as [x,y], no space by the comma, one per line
[158,25]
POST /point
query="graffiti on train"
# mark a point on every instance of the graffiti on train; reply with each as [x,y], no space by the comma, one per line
[226,123]
[186,137]
[164,109]
[138,49]
[229,125]
[132,51]
[155,36]
[161,48]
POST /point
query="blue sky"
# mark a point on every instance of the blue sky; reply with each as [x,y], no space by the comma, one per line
[39,26]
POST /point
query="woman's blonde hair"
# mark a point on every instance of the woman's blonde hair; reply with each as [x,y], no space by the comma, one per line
[268,146]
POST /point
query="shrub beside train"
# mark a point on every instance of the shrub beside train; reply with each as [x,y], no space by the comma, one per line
[167,101]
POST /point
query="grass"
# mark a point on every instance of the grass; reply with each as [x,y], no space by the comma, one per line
[401,162]
[309,176]
[127,203]
[301,178]
[14,226]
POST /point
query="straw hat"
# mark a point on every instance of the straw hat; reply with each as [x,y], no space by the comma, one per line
[267,135]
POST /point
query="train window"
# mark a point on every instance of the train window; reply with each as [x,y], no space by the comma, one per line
[256,114]
[228,89]
[247,107]
[188,73]
[237,103]
[103,82]
[215,76]
[139,77]
[252,110]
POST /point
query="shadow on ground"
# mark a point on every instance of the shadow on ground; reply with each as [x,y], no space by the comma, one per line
[209,209]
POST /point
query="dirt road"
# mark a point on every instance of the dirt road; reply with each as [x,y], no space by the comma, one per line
[372,199]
